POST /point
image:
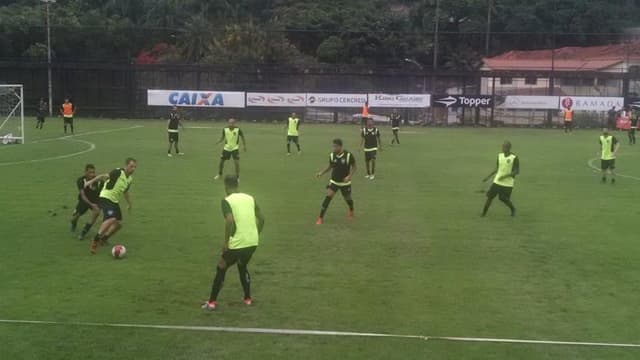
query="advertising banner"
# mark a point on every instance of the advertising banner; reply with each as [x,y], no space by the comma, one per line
[196,98]
[276,99]
[470,101]
[529,102]
[400,100]
[591,103]
[336,100]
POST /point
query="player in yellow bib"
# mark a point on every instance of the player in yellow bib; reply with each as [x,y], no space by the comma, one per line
[243,225]
[231,135]
[117,184]
[293,133]
[607,150]
[504,177]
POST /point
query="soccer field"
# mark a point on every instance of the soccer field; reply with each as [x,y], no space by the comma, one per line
[416,260]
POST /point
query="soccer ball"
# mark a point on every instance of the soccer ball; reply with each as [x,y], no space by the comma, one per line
[118,251]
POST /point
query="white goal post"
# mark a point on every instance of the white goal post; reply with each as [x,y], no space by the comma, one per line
[11,114]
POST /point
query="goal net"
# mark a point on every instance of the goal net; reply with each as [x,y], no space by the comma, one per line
[11,114]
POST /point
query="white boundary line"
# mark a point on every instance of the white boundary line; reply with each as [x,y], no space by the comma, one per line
[597,169]
[86,133]
[91,147]
[316,333]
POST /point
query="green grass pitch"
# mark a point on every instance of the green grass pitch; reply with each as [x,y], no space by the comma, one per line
[417,259]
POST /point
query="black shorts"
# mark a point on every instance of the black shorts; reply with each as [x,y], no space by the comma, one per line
[498,190]
[110,209]
[291,138]
[226,155]
[40,117]
[345,189]
[173,137]
[568,124]
[81,208]
[608,164]
[370,155]
[241,256]
[68,120]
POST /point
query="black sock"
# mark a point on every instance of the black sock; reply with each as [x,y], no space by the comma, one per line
[86,229]
[97,237]
[245,280]
[350,203]
[368,171]
[220,167]
[298,146]
[177,151]
[72,129]
[288,147]
[325,206]
[373,167]
[217,283]
[613,180]
[509,205]
[604,179]
[74,223]
[487,205]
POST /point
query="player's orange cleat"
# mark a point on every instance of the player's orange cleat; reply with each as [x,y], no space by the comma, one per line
[209,305]
[319,221]
[93,246]
[350,214]
[248,301]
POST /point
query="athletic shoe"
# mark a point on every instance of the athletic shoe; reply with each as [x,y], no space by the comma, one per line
[104,242]
[299,152]
[93,246]
[216,177]
[320,221]
[181,154]
[209,305]
[248,301]
[288,154]
[350,214]
[372,177]
[367,176]
[169,155]
[81,236]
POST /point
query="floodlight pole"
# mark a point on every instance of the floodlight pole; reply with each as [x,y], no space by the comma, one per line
[50,90]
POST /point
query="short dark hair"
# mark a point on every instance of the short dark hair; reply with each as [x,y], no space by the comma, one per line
[231,181]
[337,142]
[129,160]
[89,166]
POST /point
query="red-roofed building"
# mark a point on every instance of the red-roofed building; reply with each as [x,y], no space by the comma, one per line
[618,58]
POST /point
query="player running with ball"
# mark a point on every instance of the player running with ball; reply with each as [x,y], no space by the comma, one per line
[117,184]
[343,166]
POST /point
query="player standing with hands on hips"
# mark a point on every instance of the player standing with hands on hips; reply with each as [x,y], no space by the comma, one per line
[607,151]
[370,143]
[173,128]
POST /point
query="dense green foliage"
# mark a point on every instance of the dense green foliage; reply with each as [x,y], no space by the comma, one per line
[294,31]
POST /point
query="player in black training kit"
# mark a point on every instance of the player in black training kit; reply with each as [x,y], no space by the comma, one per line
[395,126]
[173,126]
[42,113]
[370,142]
[87,200]
[342,165]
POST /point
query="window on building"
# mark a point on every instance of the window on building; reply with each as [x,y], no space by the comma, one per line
[506,81]
[531,80]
